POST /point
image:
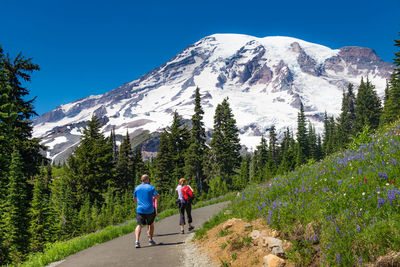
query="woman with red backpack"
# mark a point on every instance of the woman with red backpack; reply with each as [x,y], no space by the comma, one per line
[185,197]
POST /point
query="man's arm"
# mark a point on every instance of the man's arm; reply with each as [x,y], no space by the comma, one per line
[135,199]
[156,203]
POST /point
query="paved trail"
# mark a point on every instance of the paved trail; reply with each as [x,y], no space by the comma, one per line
[122,252]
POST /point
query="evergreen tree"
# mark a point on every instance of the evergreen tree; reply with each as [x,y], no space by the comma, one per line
[302,141]
[125,166]
[91,165]
[368,107]
[391,110]
[328,145]
[272,163]
[273,147]
[347,117]
[241,180]
[179,137]
[164,164]
[140,167]
[288,148]
[114,146]
[85,220]
[260,159]
[40,214]
[312,142]
[19,112]
[225,141]
[66,207]
[195,153]
[319,150]
[15,219]
[210,167]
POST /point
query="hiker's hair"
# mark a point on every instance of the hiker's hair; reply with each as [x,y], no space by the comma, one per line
[182,181]
[145,177]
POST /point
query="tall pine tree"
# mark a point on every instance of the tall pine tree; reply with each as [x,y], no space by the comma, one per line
[225,141]
[41,220]
[346,121]
[195,153]
[125,166]
[392,104]
[91,165]
[15,217]
[368,107]
[164,165]
[260,159]
[302,141]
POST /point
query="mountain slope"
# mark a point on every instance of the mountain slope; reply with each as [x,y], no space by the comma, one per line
[264,78]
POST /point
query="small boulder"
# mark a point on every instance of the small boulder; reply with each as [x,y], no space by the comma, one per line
[273,261]
[278,251]
[274,233]
[276,246]
[389,260]
[255,234]
[229,223]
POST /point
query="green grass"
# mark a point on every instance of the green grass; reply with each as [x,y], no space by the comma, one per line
[60,250]
[343,210]
[223,245]
[222,233]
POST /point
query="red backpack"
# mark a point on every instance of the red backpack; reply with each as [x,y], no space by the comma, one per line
[187,193]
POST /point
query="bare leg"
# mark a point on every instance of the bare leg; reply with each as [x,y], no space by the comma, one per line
[137,232]
[151,231]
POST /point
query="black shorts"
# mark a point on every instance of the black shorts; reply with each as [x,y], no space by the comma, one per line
[143,219]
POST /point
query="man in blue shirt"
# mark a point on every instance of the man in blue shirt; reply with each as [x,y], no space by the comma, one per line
[146,208]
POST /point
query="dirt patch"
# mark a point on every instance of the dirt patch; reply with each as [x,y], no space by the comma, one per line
[239,243]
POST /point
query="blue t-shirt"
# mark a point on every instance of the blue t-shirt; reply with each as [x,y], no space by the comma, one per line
[144,194]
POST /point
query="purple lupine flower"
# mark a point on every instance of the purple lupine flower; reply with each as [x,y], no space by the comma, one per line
[391,196]
[381,201]
[338,258]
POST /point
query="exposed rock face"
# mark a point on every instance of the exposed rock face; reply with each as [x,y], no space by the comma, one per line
[264,78]
[273,261]
[365,60]
[307,64]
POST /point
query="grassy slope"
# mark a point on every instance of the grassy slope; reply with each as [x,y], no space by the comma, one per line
[344,210]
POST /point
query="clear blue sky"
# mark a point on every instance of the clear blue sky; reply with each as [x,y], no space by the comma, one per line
[91,47]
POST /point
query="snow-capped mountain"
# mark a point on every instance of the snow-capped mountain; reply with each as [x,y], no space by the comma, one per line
[264,78]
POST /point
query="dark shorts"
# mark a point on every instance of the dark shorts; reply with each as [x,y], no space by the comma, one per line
[143,219]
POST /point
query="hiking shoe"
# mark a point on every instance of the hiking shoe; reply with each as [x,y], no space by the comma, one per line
[191,228]
[182,232]
[152,243]
[137,244]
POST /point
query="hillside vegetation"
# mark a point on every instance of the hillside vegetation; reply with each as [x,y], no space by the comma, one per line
[343,210]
